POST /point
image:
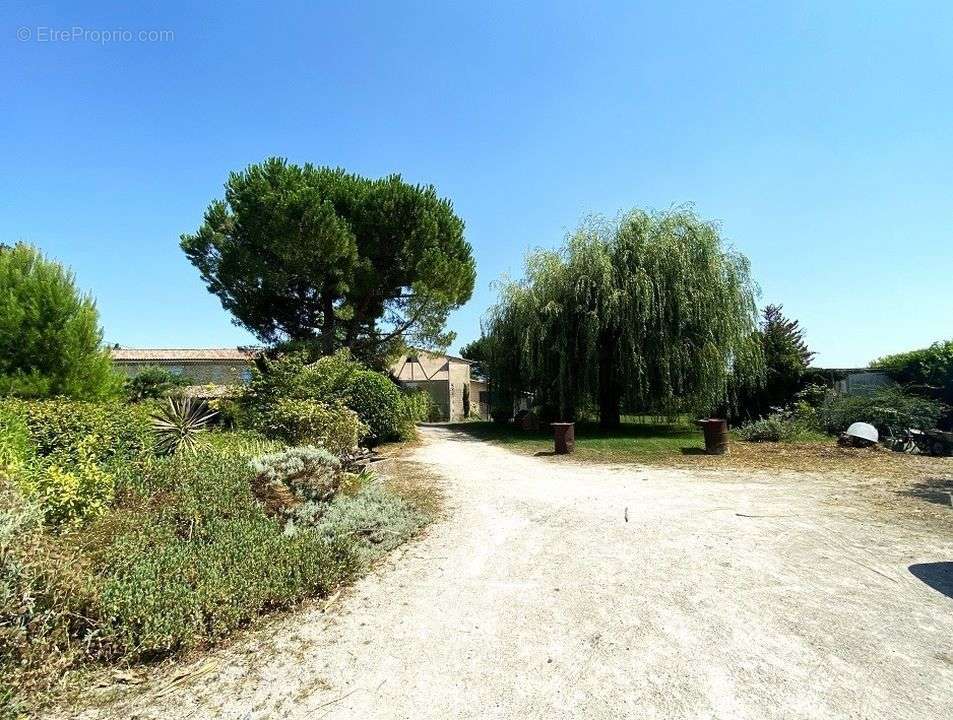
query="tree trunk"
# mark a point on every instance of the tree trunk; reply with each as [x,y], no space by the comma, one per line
[328,328]
[609,386]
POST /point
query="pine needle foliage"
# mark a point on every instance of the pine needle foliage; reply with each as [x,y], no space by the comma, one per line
[50,339]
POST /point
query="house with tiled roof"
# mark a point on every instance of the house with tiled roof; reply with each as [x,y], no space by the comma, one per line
[446,378]
[201,366]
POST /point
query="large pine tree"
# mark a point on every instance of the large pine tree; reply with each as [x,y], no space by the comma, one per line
[325,258]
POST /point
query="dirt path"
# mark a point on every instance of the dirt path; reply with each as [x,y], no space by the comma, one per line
[720,597]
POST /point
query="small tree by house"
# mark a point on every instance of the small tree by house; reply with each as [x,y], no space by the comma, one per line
[786,355]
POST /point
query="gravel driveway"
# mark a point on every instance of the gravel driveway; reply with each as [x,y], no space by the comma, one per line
[720,596]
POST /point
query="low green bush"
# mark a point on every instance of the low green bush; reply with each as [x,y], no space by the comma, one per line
[63,453]
[184,554]
[46,601]
[889,409]
[68,490]
[311,422]
[164,592]
[781,426]
[16,447]
[152,383]
[378,402]
[106,430]
[420,406]
[332,380]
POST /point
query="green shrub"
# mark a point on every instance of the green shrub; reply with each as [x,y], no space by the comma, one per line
[70,489]
[231,409]
[50,339]
[330,376]
[243,443]
[332,380]
[776,427]
[167,592]
[420,406]
[67,459]
[927,372]
[46,601]
[15,444]
[153,383]
[378,402]
[186,555]
[201,558]
[106,430]
[888,408]
[310,422]
[272,379]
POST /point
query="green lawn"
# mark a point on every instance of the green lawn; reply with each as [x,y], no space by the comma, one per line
[636,439]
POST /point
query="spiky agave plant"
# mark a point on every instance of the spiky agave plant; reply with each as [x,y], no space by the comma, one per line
[178,424]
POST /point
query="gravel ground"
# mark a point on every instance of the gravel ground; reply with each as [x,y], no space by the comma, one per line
[559,590]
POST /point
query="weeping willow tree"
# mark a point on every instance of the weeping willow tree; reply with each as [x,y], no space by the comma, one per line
[650,312]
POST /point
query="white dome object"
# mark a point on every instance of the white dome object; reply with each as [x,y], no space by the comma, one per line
[864,431]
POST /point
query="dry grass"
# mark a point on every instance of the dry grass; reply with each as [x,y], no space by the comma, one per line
[681,446]
[416,484]
[822,457]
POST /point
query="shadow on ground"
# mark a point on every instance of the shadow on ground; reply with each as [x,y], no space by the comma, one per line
[935,490]
[938,575]
[583,430]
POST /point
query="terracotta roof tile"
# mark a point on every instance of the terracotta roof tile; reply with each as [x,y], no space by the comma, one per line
[182,354]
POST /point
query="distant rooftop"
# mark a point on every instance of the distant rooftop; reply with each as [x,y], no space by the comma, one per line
[182,354]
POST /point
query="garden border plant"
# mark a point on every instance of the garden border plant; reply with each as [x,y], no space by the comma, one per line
[167,553]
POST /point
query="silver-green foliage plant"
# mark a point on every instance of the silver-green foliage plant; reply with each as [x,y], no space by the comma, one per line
[779,426]
[374,519]
[650,312]
[311,473]
[179,424]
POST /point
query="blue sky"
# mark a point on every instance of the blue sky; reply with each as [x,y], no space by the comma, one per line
[820,135]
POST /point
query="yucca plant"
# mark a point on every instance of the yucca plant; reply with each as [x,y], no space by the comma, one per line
[178,424]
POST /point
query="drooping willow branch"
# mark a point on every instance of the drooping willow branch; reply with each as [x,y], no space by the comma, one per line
[649,312]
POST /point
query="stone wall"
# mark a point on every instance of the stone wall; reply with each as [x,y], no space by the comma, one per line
[204,373]
[459,378]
